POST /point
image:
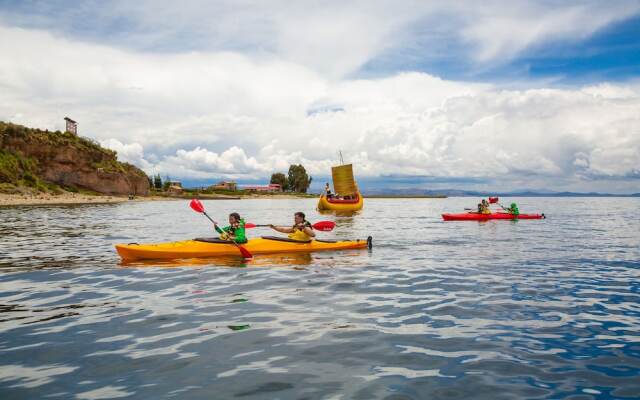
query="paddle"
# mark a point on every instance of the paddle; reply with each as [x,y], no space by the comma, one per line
[325,226]
[198,207]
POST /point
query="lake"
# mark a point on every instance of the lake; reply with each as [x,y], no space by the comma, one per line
[539,309]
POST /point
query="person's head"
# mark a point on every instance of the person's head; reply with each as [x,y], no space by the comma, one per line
[327,185]
[234,218]
[514,205]
[484,201]
[299,217]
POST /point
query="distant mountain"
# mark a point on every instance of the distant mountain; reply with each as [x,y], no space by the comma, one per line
[474,193]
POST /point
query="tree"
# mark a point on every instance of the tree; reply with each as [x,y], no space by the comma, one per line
[157,182]
[280,179]
[166,183]
[298,179]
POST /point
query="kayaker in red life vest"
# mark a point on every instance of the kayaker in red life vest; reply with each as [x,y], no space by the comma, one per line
[235,231]
[301,229]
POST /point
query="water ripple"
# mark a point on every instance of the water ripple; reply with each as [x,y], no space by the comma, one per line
[527,309]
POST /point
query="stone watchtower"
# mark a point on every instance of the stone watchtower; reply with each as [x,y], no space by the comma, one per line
[72,126]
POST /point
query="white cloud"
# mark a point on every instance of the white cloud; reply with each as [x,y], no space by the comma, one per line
[132,152]
[333,38]
[246,114]
[502,32]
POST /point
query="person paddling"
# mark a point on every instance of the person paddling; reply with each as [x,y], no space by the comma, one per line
[301,229]
[485,207]
[513,209]
[235,231]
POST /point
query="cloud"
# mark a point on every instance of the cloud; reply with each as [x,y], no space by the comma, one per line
[244,114]
[333,38]
[500,32]
[132,153]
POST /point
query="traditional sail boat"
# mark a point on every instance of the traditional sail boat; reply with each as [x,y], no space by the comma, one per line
[347,195]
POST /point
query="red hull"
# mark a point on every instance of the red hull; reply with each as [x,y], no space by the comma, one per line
[355,200]
[474,216]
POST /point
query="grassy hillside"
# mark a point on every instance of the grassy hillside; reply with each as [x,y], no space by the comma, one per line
[29,159]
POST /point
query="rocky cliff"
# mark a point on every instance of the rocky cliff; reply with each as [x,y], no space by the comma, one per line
[37,158]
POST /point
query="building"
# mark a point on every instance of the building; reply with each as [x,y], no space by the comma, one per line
[71,126]
[272,187]
[174,187]
[224,185]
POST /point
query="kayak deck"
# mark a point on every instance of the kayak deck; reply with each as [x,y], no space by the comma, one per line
[200,248]
[475,216]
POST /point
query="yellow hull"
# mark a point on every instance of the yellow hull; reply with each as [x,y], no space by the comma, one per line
[201,249]
[325,204]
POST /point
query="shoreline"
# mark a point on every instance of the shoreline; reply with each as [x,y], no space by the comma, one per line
[405,196]
[69,198]
[8,200]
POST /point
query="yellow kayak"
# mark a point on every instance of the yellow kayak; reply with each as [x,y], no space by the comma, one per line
[212,247]
[354,204]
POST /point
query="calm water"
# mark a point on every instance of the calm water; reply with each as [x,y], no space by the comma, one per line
[532,309]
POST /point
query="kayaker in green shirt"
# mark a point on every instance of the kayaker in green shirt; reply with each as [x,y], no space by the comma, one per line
[235,231]
[513,209]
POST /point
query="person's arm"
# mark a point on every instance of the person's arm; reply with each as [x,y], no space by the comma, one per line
[282,229]
[309,232]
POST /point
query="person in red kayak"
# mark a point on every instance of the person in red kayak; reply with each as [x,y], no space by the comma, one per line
[301,229]
[513,209]
[483,207]
[235,232]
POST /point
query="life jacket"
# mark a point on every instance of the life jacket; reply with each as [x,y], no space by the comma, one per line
[239,232]
[299,234]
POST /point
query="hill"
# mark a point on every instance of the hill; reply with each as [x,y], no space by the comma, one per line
[43,161]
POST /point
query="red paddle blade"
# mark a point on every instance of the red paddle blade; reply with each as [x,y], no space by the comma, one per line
[325,226]
[196,206]
[493,200]
[245,253]
[250,225]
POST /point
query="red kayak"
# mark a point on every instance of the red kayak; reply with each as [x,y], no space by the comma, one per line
[476,216]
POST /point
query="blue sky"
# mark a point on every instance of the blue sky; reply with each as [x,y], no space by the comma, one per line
[498,95]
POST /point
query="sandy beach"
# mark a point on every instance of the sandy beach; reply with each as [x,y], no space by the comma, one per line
[67,198]
[78,198]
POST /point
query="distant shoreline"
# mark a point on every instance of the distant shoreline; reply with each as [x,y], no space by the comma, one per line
[405,196]
[70,198]
[8,200]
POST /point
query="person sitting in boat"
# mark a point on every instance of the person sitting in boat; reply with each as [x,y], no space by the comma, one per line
[327,191]
[513,209]
[485,207]
[301,229]
[235,232]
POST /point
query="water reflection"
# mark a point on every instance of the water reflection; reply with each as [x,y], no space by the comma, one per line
[262,260]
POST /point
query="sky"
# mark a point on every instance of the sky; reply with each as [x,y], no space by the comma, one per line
[536,95]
